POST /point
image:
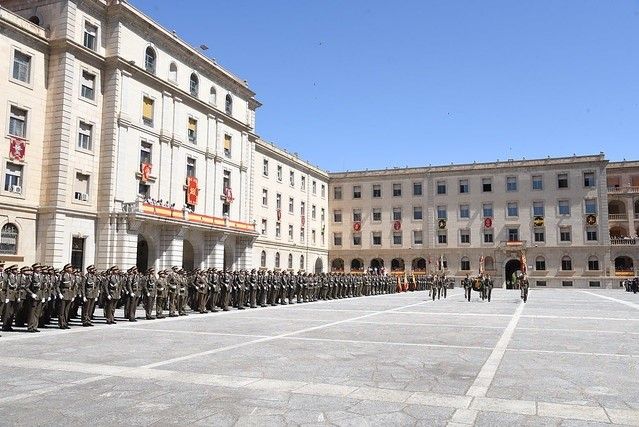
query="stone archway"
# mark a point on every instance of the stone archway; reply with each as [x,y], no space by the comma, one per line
[624,264]
[357,265]
[418,264]
[377,264]
[511,267]
[188,256]
[142,256]
[319,266]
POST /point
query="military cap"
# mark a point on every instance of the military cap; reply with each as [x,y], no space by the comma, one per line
[36,265]
[13,267]
[67,266]
[25,269]
[175,268]
[150,270]
[114,268]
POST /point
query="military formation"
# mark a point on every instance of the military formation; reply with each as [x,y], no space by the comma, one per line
[34,296]
[631,285]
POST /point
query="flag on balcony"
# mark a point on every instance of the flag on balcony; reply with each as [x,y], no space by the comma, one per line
[145,171]
[191,190]
[228,194]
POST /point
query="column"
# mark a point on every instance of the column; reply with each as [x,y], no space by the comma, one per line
[171,245]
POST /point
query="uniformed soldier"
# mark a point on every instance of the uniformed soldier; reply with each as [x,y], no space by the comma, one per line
[133,290]
[66,294]
[162,292]
[213,280]
[2,291]
[11,297]
[36,294]
[182,293]
[252,287]
[201,288]
[112,292]
[89,292]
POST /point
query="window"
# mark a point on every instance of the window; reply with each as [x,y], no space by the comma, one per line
[313,212]
[290,232]
[337,216]
[87,89]
[18,122]
[9,239]
[562,180]
[589,179]
[314,187]
[173,72]
[464,236]
[278,201]
[540,283]
[442,237]
[278,229]
[564,234]
[81,187]
[147,111]
[264,227]
[417,213]
[277,260]
[595,284]
[417,188]
[591,234]
[590,206]
[441,212]
[538,209]
[537,182]
[488,236]
[228,145]
[302,262]
[513,234]
[463,186]
[357,192]
[511,183]
[13,178]
[303,183]
[323,191]
[397,190]
[190,166]
[263,259]
[212,96]
[303,208]
[291,178]
[513,209]
[194,85]
[464,211]
[418,237]
[21,66]
[85,131]
[302,234]
[377,191]
[77,252]
[441,187]
[357,239]
[192,130]
[357,215]
[144,190]
[465,264]
[265,167]
[313,236]
[539,235]
[397,214]
[228,104]
[564,207]
[566,263]
[264,197]
[540,263]
[291,205]
[337,239]
[149,60]
[337,193]
[377,238]
[593,263]
[90,36]
[487,185]
[377,214]
[397,238]
[487,210]
[279,173]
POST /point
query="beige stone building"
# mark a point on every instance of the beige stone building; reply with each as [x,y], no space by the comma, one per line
[550,213]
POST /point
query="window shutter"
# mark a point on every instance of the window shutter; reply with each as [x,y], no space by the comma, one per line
[227,142]
[147,111]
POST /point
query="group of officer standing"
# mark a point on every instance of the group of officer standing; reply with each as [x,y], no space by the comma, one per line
[35,295]
[631,285]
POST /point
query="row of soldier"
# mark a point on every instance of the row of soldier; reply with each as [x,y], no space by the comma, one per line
[631,285]
[34,295]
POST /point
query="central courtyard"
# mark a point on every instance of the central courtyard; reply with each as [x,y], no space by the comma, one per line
[566,357]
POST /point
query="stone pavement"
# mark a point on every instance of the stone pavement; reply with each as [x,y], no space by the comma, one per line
[567,357]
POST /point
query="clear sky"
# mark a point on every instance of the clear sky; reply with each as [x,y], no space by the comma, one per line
[356,84]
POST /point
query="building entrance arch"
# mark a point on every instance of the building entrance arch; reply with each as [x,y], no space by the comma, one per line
[511,268]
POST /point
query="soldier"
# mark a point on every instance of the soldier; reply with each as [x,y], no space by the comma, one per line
[252,287]
[2,291]
[11,296]
[273,286]
[182,292]
[33,299]
[149,292]
[162,292]
[48,288]
[112,292]
[66,294]
[172,279]
[225,289]
[213,280]
[89,291]
[201,291]
[240,289]
[133,290]
[262,287]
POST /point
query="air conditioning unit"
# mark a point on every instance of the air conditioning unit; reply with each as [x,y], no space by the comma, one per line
[84,197]
[16,189]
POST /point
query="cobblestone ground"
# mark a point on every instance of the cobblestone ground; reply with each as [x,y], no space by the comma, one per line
[567,357]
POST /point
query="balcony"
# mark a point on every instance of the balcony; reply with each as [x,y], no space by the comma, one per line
[617,217]
[616,241]
[628,189]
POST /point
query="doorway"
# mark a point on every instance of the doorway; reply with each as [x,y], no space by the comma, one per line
[512,267]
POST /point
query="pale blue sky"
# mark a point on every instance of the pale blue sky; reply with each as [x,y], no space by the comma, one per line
[355,84]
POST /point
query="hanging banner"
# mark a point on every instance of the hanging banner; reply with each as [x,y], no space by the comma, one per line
[145,171]
[522,262]
[488,223]
[228,195]
[481,264]
[191,190]
[397,225]
[17,149]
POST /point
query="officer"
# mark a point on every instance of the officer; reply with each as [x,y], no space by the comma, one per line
[66,294]
[253,288]
[148,283]
[11,296]
[173,279]
[89,289]
[2,291]
[240,289]
[112,291]
[262,287]
[182,293]
[162,292]
[225,285]
[213,296]
[201,286]
[36,294]
[133,289]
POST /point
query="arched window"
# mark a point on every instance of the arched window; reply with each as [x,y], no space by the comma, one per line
[397,264]
[593,263]
[566,263]
[35,20]
[194,84]
[173,72]
[149,60]
[290,261]
[540,263]
[357,265]
[213,96]
[465,264]
[228,105]
[263,259]
[302,266]
[277,260]
[9,239]
[489,263]
[337,264]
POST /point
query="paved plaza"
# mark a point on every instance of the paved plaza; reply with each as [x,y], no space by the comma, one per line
[567,357]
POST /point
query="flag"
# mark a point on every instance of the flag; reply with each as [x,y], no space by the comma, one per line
[522,261]
[481,264]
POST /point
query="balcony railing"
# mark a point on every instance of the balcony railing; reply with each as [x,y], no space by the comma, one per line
[613,217]
[622,242]
[623,189]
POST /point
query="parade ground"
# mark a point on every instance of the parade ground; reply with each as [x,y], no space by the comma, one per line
[566,357]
